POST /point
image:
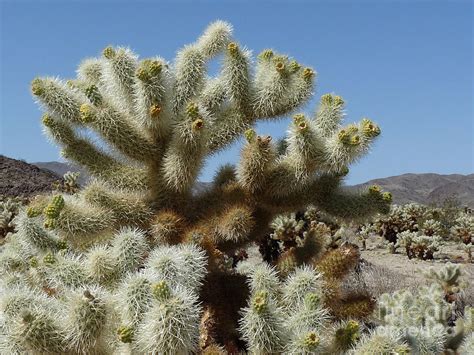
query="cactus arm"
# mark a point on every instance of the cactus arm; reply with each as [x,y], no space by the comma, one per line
[99,164]
[118,77]
[236,76]
[305,148]
[189,72]
[58,98]
[81,223]
[126,208]
[228,125]
[280,85]
[329,115]
[90,71]
[348,144]
[186,151]
[151,98]
[118,131]
[257,158]
[213,95]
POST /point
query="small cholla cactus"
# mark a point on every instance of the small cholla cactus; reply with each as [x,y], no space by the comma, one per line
[9,208]
[286,227]
[140,262]
[463,231]
[430,227]
[418,246]
[69,184]
[449,278]
[362,234]
[400,219]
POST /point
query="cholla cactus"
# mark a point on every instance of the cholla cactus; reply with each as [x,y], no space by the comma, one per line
[400,219]
[69,184]
[127,260]
[449,278]
[286,227]
[463,231]
[419,323]
[9,208]
[418,245]
[431,227]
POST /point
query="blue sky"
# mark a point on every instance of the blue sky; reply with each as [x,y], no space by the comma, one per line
[405,64]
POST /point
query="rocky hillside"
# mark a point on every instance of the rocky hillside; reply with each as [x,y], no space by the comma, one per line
[18,178]
[427,188]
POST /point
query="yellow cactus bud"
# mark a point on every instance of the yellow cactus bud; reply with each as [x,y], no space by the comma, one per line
[294,66]
[369,128]
[192,110]
[232,47]
[47,120]
[338,101]
[62,245]
[259,302]
[374,189]
[266,54]
[155,111]
[37,87]
[125,334]
[355,140]
[108,52]
[343,136]
[161,290]
[308,73]
[86,113]
[155,67]
[353,326]
[250,135]
[327,99]
[142,74]
[33,212]
[311,340]
[299,117]
[33,261]
[387,196]
[49,259]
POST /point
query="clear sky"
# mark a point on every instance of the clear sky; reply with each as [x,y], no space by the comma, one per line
[408,65]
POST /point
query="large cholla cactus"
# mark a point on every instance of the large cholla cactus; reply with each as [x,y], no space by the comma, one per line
[124,264]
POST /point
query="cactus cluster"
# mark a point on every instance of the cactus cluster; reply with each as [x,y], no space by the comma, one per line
[421,322]
[138,261]
[421,230]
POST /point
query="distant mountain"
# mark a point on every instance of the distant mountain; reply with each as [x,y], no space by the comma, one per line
[20,178]
[426,188]
[420,188]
